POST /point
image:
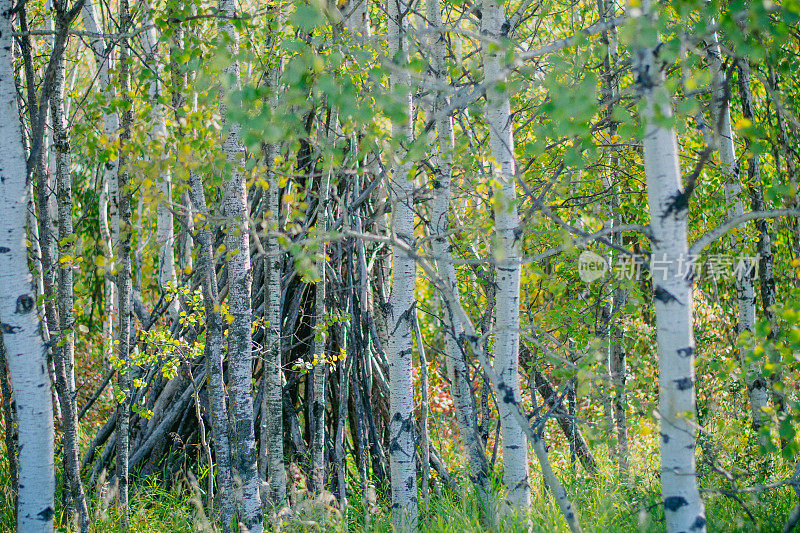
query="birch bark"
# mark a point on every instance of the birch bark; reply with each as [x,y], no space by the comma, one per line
[402,457]
[108,187]
[24,348]
[180,77]
[683,508]
[765,257]
[460,387]
[320,335]
[240,277]
[9,421]
[745,290]
[65,352]
[617,364]
[791,164]
[356,19]
[507,236]
[165,229]
[213,354]
[124,278]
[272,407]
[45,203]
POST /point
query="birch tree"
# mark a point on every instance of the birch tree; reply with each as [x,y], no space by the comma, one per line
[668,204]
[320,335]
[460,387]
[124,275]
[65,352]
[109,231]
[25,352]
[240,277]
[402,458]
[617,365]
[764,247]
[507,241]
[745,289]
[274,471]
[214,354]
[273,467]
[785,141]
[158,136]
[45,200]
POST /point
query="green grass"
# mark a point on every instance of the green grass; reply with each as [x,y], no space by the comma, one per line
[603,505]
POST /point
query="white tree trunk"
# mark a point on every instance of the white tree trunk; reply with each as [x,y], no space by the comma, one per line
[356,18]
[44,171]
[25,351]
[272,408]
[320,335]
[765,257]
[124,279]
[65,352]
[745,290]
[38,274]
[616,350]
[165,229]
[108,188]
[240,277]
[508,235]
[214,353]
[45,246]
[683,508]
[402,458]
[460,387]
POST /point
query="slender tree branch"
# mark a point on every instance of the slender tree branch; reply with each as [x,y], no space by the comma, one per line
[711,236]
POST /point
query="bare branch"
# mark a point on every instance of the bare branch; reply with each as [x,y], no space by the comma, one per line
[711,236]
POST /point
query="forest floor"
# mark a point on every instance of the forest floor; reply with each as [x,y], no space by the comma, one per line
[604,505]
